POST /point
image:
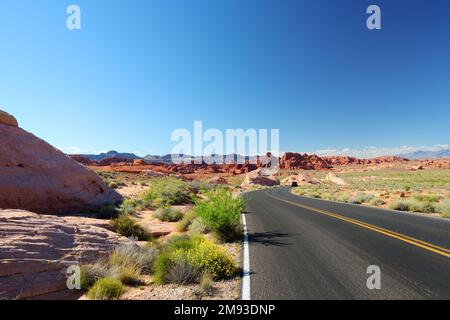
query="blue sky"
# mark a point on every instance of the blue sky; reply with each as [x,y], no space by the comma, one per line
[137,70]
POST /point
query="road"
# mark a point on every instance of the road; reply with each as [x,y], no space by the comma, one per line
[303,248]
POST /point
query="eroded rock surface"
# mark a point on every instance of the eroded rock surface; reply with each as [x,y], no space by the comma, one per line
[36,250]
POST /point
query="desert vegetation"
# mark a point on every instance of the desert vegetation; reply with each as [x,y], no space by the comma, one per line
[425,191]
[197,254]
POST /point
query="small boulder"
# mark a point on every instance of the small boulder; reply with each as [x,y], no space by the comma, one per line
[258,178]
[334,178]
[299,179]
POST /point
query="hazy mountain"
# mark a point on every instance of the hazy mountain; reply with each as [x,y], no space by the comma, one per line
[427,155]
[231,158]
[110,154]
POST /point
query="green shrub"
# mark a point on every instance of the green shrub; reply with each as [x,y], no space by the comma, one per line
[106,211]
[90,273]
[128,207]
[106,289]
[413,205]
[168,215]
[185,258]
[377,202]
[427,197]
[444,208]
[361,198]
[133,257]
[188,218]
[197,227]
[400,205]
[211,258]
[125,225]
[167,191]
[220,212]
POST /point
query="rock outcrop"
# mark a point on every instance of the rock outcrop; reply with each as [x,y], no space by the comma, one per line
[7,119]
[36,250]
[297,161]
[299,179]
[258,178]
[35,176]
[334,178]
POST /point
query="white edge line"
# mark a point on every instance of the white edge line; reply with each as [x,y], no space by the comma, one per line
[246,276]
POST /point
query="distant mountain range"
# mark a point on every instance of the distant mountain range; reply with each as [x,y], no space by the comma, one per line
[418,155]
[237,158]
[110,154]
[167,159]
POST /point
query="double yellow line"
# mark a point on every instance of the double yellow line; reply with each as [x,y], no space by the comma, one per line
[418,243]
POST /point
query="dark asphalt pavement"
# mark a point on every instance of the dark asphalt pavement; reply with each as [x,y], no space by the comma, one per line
[304,248]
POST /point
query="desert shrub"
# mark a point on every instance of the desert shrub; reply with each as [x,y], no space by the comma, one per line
[183,224]
[106,289]
[125,225]
[427,197]
[90,273]
[197,227]
[220,212]
[185,258]
[360,198]
[413,205]
[128,206]
[422,206]
[168,214]
[202,186]
[167,191]
[343,197]
[133,257]
[106,211]
[377,202]
[211,258]
[444,208]
[206,286]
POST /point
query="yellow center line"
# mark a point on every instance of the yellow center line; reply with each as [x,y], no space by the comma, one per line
[418,243]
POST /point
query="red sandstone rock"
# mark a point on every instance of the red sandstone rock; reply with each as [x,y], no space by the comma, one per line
[35,251]
[35,176]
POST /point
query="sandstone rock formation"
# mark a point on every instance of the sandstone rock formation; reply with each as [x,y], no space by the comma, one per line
[297,161]
[299,179]
[334,178]
[35,176]
[7,119]
[257,178]
[36,250]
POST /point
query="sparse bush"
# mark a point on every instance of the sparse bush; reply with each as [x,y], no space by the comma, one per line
[413,205]
[377,202]
[427,197]
[220,212]
[183,224]
[206,287]
[106,289]
[90,273]
[444,208]
[167,191]
[132,256]
[128,207]
[360,198]
[197,227]
[168,215]
[185,258]
[125,225]
[211,258]
[106,211]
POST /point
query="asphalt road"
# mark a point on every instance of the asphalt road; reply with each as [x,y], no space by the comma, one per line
[303,248]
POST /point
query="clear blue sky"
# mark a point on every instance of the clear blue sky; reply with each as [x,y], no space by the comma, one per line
[137,70]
